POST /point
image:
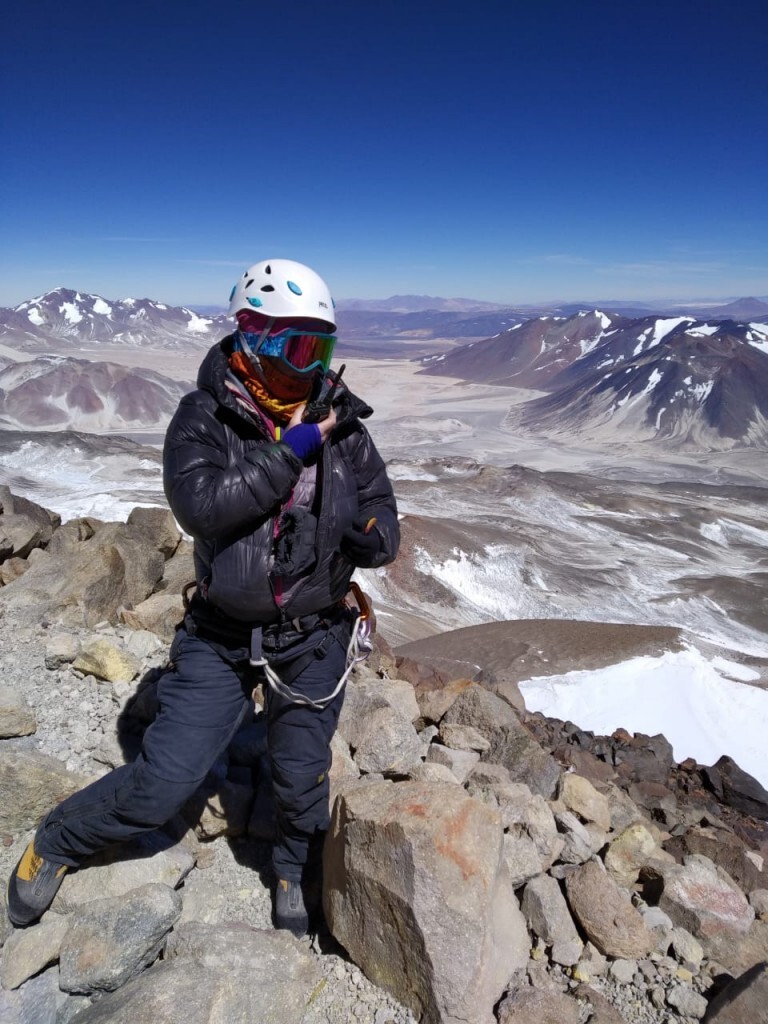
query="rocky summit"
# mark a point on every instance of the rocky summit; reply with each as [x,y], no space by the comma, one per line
[483,864]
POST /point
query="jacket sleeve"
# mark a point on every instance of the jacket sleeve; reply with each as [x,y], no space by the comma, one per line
[212,493]
[374,492]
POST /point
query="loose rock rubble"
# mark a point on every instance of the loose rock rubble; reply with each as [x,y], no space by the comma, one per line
[482,865]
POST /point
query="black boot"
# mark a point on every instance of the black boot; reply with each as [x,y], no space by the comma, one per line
[32,887]
[290,909]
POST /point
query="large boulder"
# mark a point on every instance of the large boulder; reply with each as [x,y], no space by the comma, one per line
[606,913]
[539,1006]
[743,1001]
[702,898]
[24,525]
[511,743]
[109,941]
[416,889]
[119,565]
[32,783]
[152,859]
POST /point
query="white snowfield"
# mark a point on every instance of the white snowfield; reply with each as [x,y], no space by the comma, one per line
[705,708]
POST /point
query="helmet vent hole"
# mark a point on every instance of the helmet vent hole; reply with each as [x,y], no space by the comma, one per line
[267,270]
[267,287]
[249,283]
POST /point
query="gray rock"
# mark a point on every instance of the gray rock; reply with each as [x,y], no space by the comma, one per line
[32,783]
[22,533]
[758,900]
[36,1002]
[704,900]
[16,717]
[538,1006]
[361,699]
[279,967]
[143,644]
[159,524]
[60,649]
[154,858]
[548,916]
[184,991]
[688,950]
[432,771]
[463,737]
[387,743]
[580,796]
[606,915]
[417,891]
[110,941]
[511,744]
[660,925]
[743,1001]
[459,762]
[118,566]
[580,842]
[623,971]
[687,1002]
[29,950]
[602,1012]
[159,614]
[623,810]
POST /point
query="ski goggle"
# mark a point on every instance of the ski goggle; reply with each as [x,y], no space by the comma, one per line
[301,350]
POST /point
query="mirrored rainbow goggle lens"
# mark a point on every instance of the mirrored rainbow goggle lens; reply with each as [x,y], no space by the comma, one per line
[302,351]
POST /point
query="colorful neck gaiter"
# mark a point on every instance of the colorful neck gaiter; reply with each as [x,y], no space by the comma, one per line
[243,369]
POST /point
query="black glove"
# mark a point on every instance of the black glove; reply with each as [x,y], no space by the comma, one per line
[359,547]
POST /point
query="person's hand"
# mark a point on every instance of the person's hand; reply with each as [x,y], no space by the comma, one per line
[361,543]
[326,425]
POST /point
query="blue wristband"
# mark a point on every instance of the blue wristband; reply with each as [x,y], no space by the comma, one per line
[304,439]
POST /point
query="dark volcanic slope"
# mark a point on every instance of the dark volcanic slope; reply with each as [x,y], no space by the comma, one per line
[706,387]
[676,378]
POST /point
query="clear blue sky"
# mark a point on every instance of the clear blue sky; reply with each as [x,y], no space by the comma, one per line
[505,151]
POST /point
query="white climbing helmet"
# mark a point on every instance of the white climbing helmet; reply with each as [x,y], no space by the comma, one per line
[283,288]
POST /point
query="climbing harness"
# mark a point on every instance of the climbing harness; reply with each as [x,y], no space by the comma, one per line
[358,649]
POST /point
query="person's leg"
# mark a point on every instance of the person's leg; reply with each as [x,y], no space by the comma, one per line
[201,705]
[299,748]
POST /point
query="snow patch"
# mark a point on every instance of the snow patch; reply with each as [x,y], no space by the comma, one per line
[683,695]
[102,308]
[71,312]
[198,324]
[35,316]
[713,532]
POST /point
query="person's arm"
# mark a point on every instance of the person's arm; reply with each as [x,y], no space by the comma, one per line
[374,537]
[210,495]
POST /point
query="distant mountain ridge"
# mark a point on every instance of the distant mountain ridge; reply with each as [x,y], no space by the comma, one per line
[70,318]
[678,378]
[65,319]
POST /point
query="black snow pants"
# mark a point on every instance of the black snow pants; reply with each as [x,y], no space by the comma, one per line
[204,696]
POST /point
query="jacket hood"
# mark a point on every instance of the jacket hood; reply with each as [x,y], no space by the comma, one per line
[212,375]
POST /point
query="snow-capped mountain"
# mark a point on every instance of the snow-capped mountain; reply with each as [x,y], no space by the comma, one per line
[686,381]
[673,377]
[54,392]
[528,354]
[65,318]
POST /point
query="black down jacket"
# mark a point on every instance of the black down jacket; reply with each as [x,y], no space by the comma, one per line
[226,481]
